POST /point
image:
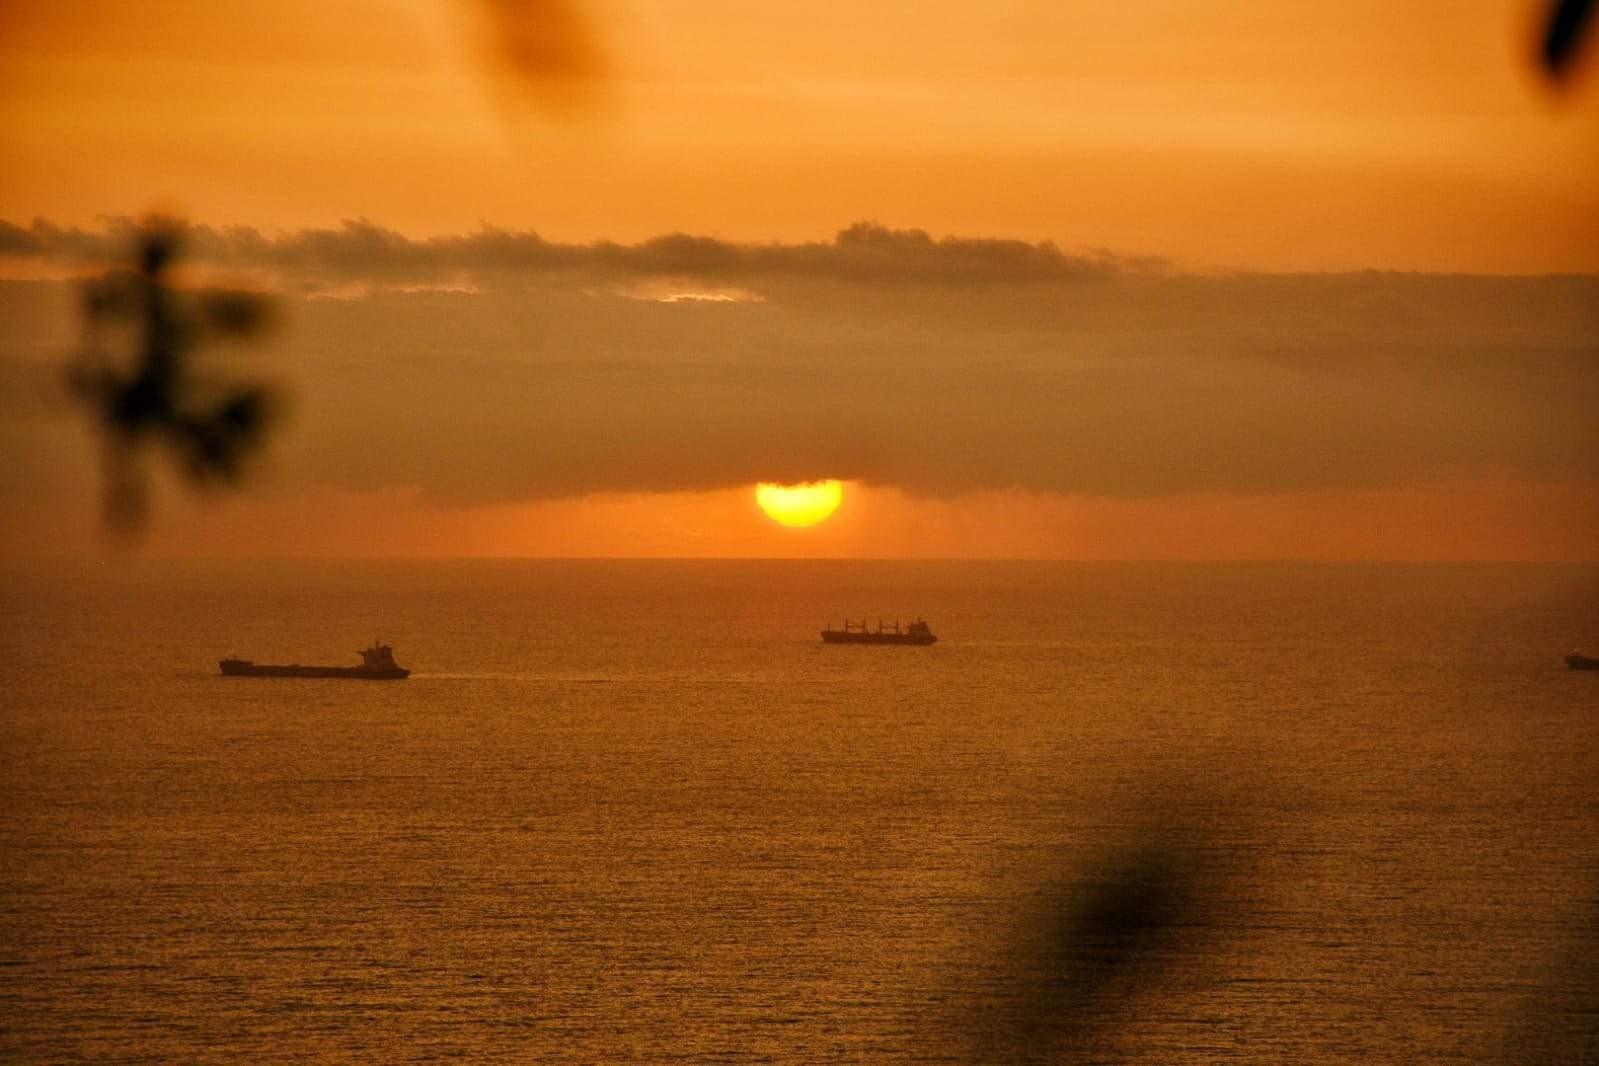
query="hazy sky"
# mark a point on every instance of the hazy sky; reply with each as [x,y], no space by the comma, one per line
[1161,279]
[1259,134]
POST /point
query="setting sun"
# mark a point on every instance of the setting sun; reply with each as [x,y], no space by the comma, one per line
[804,504]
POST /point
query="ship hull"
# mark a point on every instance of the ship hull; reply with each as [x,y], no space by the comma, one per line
[836,636]
[1582,662]
[244,668]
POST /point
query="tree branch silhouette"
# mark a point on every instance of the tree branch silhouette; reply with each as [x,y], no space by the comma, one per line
[155,397]
[1560,46]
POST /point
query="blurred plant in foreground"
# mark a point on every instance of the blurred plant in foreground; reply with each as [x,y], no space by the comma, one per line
[153,394]
[1566,29]
[547,53]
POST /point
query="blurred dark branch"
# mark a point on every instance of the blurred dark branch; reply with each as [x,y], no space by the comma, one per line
[548,50]
[1102,938]
[155,396]
[1566,30]
[1095,946]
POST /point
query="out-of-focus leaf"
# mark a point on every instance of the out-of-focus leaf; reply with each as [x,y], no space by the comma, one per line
[215,442]
[235,314]
[155,396]
[548,50]
[112,298]
[1565,35]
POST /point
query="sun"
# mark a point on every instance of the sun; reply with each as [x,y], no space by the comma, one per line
[804,504]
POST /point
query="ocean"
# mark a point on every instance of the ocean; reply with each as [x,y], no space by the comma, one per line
[637,811]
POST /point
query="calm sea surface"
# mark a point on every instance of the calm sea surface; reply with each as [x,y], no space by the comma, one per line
[638,812]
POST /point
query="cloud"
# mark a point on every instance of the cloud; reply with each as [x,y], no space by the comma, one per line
[937,366]
[362,252]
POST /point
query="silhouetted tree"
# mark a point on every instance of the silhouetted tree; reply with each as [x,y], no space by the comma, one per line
[155,395]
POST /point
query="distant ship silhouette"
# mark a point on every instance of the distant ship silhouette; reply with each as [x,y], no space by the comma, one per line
[915,633]
[377,664]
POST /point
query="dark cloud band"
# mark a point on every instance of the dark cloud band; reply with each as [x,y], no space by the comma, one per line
[360,252]
[936,365]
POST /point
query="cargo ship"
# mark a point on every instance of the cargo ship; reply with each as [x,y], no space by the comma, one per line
[377,664]
[915,633]
[1581,662]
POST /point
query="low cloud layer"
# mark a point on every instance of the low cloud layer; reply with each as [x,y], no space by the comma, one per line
[362,253]
[938,366]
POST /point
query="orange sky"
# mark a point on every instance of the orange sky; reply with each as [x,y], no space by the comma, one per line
[1489,516]
[1255,135]
[1261,134]
[1481,518]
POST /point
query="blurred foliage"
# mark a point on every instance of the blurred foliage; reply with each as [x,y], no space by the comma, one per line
[1569,23]
[547,52]
[154,395]
[1102,940]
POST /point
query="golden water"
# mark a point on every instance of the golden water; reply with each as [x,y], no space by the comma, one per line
[637,811]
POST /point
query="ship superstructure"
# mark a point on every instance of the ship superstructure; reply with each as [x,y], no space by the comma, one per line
[916,632]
